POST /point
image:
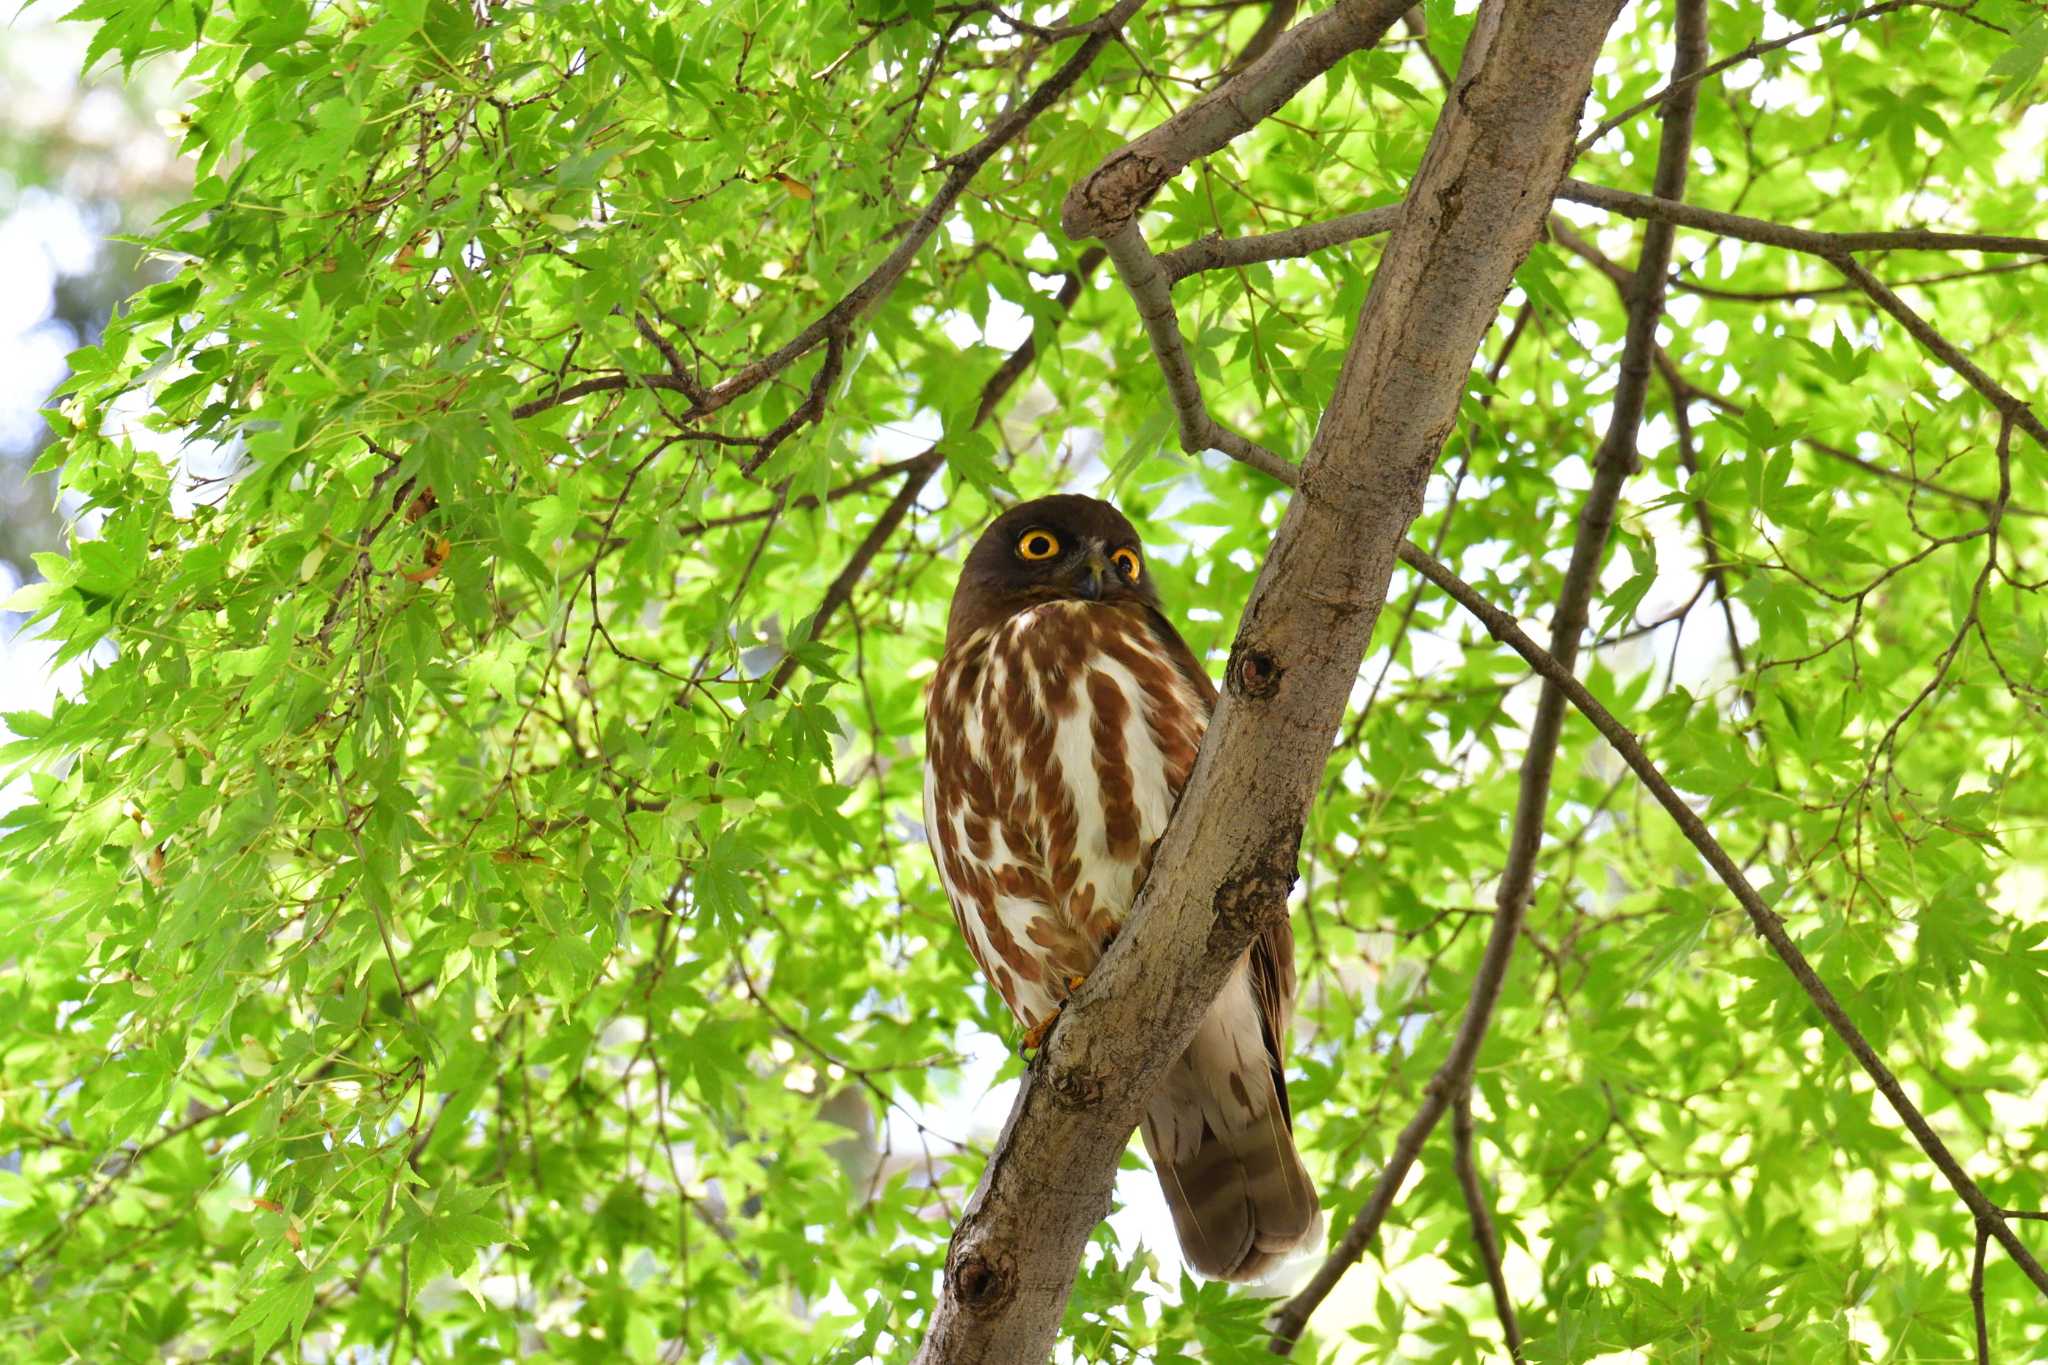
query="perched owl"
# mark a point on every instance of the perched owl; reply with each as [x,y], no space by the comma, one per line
[1061,727]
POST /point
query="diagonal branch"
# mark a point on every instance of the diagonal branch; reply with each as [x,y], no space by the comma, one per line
[1111,195]
[808,411]
[880,281]
[1483,1235]
[1756,49]
[1763,919]
[2008,404]
[918,470]
[1229,856]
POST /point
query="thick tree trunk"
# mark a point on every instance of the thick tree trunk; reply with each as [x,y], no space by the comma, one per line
[1228,860]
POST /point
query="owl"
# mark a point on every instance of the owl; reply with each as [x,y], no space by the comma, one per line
[1060,729]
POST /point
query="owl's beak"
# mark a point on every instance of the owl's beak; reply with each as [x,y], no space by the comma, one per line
[1091,574]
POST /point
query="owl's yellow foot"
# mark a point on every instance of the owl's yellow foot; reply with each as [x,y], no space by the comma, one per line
[1035,1036]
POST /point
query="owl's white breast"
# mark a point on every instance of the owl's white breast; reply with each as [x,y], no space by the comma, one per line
[1068,731]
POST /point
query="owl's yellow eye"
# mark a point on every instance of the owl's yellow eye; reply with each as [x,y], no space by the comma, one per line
[1127,563]
[1037,545]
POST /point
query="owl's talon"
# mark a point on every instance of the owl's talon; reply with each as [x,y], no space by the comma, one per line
[1035,1036]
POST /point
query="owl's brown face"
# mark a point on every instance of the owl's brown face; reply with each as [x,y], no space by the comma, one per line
[1062,548]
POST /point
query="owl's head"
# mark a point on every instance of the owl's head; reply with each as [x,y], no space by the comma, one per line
[1062,548]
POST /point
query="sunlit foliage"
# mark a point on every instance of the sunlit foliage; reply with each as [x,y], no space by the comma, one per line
[469,908]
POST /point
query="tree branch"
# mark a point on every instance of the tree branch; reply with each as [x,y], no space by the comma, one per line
[860,483]
[1977,1294]
[1111,194]
[1612,465]
[603,383]
[1229,856]
[1618,274]
[808,411]
[918,471]
[841,316]
[2008,404]
[1749,53]
[1484,1238]
[1763,919]
[1222,253]
[1761,296]
[1152,293]
[1827,245]
[1703,516]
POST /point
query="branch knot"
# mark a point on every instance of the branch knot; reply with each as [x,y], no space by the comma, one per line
[983,1281]
[1104,201]
[1254,674]
[1076,1088]
[1250,902]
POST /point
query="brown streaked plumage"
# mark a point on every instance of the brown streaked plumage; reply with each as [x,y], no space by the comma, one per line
[1060,729]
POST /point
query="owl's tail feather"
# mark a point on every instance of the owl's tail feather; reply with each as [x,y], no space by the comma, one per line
[1220,1137]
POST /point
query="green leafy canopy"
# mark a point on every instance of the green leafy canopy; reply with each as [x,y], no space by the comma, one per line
[469,902]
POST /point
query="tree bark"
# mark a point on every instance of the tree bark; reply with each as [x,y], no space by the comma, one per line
[1228,860]
[1612,465]
[1113,193]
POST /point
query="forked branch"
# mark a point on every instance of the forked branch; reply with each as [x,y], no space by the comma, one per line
[1612,465]
[1110,195]
[880,281]
[1223,869]
[1152,293]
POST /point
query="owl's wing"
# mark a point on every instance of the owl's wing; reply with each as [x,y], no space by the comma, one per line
[1272,975]
[1272,953]
[1183,658]
[1220,1129]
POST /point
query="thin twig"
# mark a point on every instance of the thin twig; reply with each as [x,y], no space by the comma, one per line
[920,469]
[1749,53]
[1703,515]
[1768,925]
[1484,1238]
[860,483]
